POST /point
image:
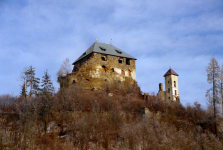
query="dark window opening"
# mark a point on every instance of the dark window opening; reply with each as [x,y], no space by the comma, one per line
[169,98]
[103,68]
[123,72]
[169,90]
[175,92]
[127,61]
[118,51]
[113,70]
[105,79]
[120,61]
[168,81]
[103,49]
[104,58]
[73,82]
[87,79]
[174,83]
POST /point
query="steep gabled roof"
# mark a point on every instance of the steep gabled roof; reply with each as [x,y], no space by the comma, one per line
[104,49]
[169,72]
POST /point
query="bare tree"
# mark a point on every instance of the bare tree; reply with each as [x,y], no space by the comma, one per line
[62,73]
[221,87]
[213,76]
[65,68]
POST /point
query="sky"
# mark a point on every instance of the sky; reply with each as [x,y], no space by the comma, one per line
[183,35]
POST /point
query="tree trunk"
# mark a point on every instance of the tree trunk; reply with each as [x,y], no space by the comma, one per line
[214,103]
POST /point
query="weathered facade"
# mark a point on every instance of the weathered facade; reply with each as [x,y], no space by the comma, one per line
[171,92]
[100,64]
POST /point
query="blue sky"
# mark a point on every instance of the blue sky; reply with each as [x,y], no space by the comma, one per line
[182,34]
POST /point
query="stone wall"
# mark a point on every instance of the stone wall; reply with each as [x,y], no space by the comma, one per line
[171,87]
[97,69]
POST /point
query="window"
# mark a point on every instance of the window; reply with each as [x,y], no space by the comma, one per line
[118,51]
[127,61]
[73,82]
[120,61]
[174,83]
[113,70]
[102,48]
[87,79]
[129,73]
[123,72]
[104,58]
[168,90]
[169,98]
[103,68]
[175,92]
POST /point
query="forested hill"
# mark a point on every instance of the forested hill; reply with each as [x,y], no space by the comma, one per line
[75,118]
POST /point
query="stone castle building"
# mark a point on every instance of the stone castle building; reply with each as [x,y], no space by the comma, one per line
[171,92]
[100,64]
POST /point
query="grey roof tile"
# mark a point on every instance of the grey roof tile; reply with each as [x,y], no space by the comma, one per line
[104,49]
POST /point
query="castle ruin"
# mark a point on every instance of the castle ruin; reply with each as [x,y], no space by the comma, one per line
[100,64]
[171,92]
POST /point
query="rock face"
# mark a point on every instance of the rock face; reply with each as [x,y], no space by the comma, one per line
[101,64]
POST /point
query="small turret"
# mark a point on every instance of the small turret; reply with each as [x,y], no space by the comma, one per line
[171,86]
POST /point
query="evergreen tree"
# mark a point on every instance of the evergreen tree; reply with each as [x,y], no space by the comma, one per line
[47,85]
[32,81]
[213,76]
[23,92]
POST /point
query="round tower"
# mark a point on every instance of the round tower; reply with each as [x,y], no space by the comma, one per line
[171,86]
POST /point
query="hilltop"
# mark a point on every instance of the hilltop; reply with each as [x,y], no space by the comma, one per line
[117,118]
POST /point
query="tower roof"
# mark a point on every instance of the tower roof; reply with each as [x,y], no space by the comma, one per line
[104,49]
[169,72]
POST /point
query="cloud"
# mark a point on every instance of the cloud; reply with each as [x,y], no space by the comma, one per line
[182,34]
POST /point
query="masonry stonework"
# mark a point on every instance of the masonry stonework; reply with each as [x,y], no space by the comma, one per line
[171,92]
[96,69]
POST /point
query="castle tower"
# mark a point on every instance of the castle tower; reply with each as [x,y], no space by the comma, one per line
[171,86]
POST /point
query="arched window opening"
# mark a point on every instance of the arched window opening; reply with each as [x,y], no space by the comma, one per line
[73,82]
[174,83]
[103,68]
[104,58]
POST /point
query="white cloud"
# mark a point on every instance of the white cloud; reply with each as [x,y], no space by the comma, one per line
[181,34]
